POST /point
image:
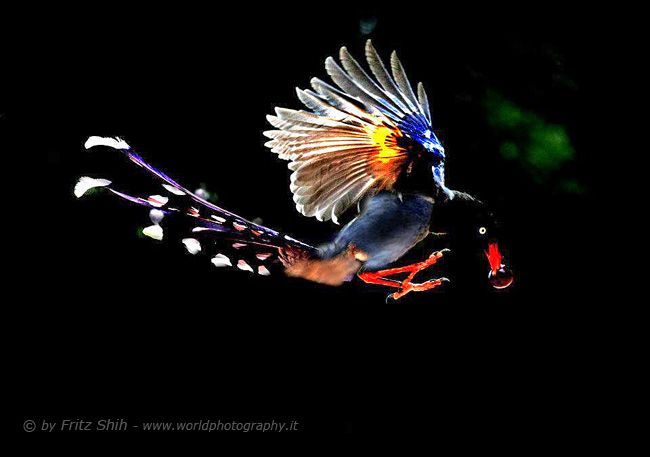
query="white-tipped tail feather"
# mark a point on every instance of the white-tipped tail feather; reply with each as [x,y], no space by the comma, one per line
[221,260]
[193,246]
[85,184]
[154,231]
[116,143]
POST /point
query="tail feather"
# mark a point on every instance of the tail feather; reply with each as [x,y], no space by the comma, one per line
[230,240]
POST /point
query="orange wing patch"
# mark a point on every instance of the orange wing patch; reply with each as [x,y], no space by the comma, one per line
[389,156]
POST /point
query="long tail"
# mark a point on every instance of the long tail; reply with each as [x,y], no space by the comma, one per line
[228,239]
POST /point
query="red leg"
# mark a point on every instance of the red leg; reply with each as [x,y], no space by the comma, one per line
[406,286]
[375,278]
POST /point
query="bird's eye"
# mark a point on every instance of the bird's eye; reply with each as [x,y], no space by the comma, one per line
[482,231]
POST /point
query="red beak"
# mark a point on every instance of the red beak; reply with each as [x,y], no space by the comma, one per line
[500,276]
[494,257]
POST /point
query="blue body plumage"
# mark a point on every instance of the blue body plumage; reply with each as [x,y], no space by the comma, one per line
[389,225]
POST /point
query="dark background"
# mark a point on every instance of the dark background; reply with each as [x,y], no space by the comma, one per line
[112,325]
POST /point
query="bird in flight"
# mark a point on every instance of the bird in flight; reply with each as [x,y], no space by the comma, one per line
[365,147]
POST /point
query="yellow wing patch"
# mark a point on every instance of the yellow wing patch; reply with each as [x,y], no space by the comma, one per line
[389,157]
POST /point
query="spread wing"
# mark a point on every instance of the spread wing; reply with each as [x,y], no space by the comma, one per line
[347,146]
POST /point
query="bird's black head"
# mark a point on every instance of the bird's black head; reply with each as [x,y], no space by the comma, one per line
[477,239]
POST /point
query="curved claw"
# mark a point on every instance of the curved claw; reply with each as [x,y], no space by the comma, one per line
[438,254]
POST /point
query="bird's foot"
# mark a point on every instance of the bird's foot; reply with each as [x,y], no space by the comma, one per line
[405,286]
[431,284]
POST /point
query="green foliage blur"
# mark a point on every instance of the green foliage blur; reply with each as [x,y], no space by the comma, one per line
[540,147]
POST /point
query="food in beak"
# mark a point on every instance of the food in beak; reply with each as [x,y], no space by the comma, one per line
[500,275]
